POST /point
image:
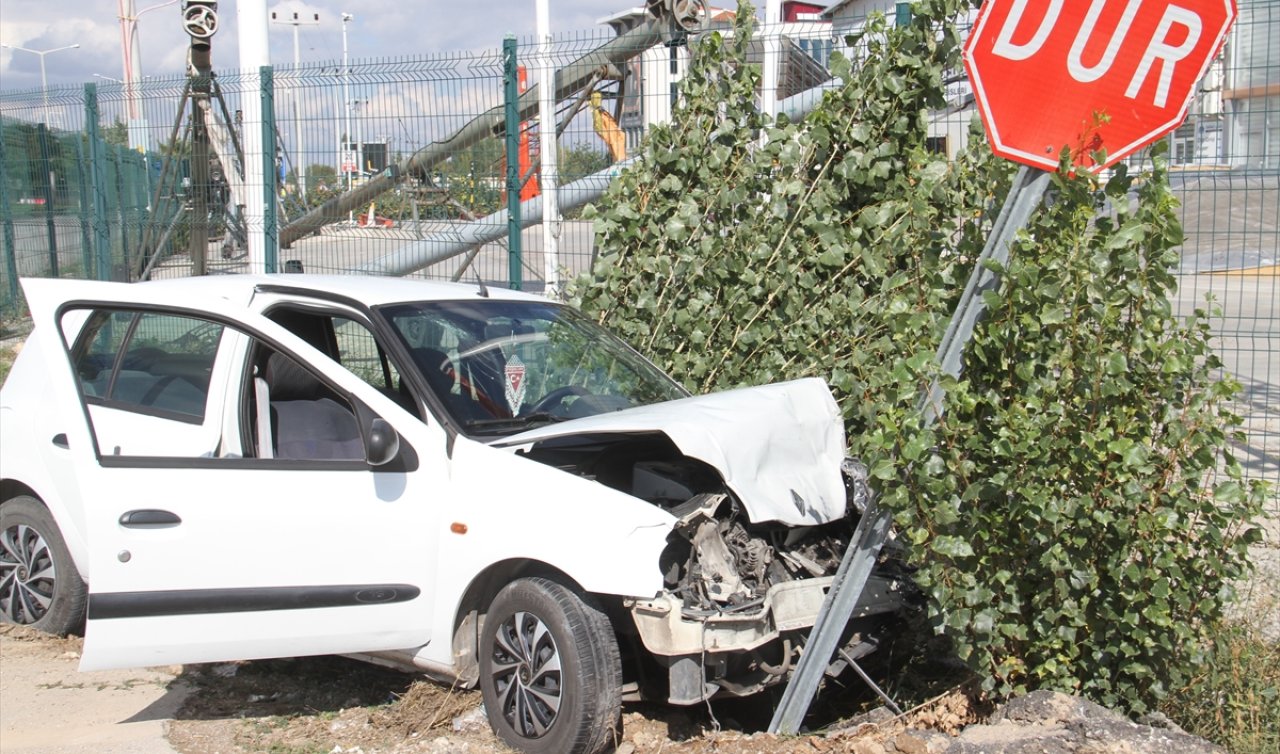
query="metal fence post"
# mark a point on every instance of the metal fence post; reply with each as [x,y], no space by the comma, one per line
[84,174]
[135,197]
[48,177]
[120,153]
[270,195]
[97,191]
[10,243]
[511,97]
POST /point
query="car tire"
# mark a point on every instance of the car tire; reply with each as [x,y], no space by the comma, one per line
[39,584]
[549,670]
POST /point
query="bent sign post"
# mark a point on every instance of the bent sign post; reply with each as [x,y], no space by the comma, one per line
[1102,78]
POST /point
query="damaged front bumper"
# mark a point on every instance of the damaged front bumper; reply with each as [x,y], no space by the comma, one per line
[737,653]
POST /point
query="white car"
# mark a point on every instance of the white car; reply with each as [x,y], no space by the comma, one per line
[481,485]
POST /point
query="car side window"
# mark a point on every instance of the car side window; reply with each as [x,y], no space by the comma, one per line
[359,352]
[350,343]
[296,416]
[152,363]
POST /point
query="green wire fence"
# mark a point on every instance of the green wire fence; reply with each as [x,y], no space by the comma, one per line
[86,190]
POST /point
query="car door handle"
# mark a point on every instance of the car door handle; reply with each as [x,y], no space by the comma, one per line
[149,518]
[60,440]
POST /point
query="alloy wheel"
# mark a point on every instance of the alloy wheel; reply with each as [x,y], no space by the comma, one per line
[526,674]
[27,577]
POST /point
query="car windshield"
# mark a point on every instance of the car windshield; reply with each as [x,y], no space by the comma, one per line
[500,367]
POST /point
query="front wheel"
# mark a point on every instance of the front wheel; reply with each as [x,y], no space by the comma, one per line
[39,584]
[549,670]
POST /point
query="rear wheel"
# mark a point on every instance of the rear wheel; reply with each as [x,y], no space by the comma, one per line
[39,584]
[549,670]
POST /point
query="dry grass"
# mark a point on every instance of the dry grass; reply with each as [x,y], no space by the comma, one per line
[1234,698]
[425,707]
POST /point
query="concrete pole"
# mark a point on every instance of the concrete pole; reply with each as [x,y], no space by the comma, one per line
[131,57]
[299,153]
[128,25]
[357,106]
[251,16]
[464,237]
[548,150]
[772,55]
[346,105]
[569,80]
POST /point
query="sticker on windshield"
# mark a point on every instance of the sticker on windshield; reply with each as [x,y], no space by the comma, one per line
[515,383]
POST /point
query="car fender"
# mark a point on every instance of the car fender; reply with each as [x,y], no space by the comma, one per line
[510,508]
[27,442]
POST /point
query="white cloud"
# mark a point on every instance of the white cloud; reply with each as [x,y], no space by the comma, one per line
[381,29]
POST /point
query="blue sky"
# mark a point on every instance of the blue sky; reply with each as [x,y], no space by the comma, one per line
[381,28]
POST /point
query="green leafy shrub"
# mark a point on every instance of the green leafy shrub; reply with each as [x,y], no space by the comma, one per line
[1059,511]
[1095,552]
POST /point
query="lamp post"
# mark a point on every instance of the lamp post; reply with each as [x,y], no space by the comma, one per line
[300,166]
[548,144]
[112,79]
[131,66]
[346,97]
[358,106]
[115,80]
[44,82]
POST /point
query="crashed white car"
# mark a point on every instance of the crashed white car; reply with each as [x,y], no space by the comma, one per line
[481,485]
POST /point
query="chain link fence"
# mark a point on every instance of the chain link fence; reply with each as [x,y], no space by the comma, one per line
[442,153]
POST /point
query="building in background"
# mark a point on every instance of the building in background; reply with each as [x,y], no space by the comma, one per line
[649,87]
[1233,122]
[1249,93]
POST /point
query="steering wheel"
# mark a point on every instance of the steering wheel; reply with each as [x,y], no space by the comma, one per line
[556,397]
[437,363]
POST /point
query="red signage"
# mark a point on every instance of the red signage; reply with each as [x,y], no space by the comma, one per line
[1089,74]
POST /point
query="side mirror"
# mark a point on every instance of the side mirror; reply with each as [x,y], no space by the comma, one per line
[383,442]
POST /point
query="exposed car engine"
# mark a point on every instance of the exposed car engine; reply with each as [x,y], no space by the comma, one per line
[718,561]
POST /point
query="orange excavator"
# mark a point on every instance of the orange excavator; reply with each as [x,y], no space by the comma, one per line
[607,129]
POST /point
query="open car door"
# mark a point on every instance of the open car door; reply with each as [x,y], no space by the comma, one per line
[233,552]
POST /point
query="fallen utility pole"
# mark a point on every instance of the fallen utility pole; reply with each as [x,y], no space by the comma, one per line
[466,236]
[492,123]
[438,247]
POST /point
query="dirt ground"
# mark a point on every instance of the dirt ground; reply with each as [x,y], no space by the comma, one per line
[333,705]
[47,707]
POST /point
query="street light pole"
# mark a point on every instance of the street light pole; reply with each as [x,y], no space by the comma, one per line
[346,99]
[299,165]
[112,79]
[123,83]
[548,146]
[44,82]
[131,66]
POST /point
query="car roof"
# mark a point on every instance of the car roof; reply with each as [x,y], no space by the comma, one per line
[367,289]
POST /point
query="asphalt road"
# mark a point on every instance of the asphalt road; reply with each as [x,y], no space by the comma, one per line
[1247,339]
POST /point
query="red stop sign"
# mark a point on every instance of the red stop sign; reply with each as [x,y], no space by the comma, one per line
[1043,71]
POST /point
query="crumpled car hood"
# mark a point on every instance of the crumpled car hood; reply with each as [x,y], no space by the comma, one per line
[778,447]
